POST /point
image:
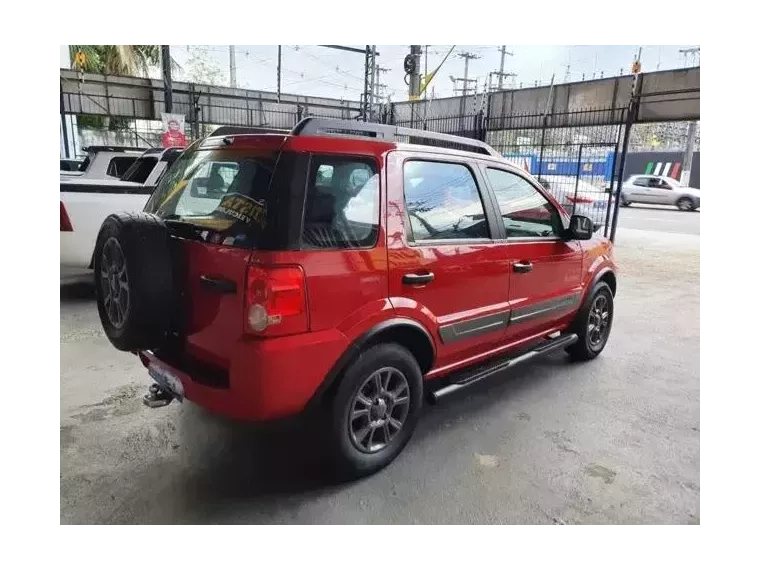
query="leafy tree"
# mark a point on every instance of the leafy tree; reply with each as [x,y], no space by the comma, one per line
[114,60]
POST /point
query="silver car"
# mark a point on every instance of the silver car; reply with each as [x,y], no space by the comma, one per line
[647,189]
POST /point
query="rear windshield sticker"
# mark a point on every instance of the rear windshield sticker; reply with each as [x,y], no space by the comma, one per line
[245,209]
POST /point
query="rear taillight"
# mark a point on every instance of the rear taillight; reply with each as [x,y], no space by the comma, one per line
[275,301]
[65,221]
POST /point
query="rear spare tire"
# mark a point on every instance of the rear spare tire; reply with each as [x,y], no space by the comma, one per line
[133,280]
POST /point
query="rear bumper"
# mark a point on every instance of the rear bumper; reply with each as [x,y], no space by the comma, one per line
[265,380]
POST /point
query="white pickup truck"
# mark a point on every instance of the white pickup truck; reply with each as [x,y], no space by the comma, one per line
[85,203]
[103,163]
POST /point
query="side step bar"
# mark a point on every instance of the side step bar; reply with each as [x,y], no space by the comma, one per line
[474,376]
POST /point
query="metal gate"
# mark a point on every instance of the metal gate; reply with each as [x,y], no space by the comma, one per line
[574,163]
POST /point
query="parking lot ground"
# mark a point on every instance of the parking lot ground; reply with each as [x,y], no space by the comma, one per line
[615,440]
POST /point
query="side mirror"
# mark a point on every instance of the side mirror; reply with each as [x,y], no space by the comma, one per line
[581,227]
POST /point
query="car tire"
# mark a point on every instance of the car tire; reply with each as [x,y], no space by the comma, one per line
[624,201]
[133,280]
[685,204]
[358,449]
[591,326]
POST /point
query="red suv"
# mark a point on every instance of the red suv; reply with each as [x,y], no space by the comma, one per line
[334,269]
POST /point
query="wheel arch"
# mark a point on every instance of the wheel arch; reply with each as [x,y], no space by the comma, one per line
[406,332]
[608,276]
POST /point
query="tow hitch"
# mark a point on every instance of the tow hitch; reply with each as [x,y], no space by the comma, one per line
[157,397]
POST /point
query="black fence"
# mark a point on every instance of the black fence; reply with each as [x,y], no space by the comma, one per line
[573,155]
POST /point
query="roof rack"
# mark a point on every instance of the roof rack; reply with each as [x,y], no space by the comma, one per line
[112,148]
[339,127]
[233,130]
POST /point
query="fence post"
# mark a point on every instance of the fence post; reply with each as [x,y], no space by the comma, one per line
[544,120]
[633,111]
[64,128]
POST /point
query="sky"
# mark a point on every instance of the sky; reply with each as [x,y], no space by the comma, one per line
[325,72]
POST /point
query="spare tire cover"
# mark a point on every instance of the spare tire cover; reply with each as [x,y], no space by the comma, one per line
[133,280]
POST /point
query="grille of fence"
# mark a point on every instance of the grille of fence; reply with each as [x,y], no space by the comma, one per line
[573,155]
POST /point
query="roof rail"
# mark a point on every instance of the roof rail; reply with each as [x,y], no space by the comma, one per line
[341,127]
[233,130]
[112,148]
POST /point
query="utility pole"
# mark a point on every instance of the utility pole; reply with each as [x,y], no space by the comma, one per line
[233,79]
[412,68]
[691,134]
[279,70]
[369,66]
[501,73]
[467,56]
[166,64]
[378,85]
[689,53]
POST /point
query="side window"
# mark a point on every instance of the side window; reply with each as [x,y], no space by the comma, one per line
[119,165]
[342,208]
[641,181]
[443,201]
[525,212]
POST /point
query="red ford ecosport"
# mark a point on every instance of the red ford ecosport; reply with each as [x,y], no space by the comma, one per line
[332,268]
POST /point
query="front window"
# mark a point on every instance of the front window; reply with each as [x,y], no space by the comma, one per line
[525,212]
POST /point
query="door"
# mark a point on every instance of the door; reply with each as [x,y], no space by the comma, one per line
[544,268]
[662,192]
[445,267]
[218,205]
[643,189]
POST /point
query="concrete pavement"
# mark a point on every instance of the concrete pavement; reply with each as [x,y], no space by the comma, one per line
[658,219]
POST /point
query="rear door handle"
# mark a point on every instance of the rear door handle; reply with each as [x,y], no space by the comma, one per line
[522,266]
[218,284]
[416,279]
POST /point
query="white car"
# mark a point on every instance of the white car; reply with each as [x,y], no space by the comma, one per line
[647,189]
[102,163]
[85,203]
[578,196]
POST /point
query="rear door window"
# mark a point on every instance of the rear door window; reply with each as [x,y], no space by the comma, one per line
[342,205]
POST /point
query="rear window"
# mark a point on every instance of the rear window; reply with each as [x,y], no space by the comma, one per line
[119,165]
[140,169]
[224,190]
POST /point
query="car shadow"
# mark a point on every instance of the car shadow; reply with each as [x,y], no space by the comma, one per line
[655,207]
[248,469]
[77,292]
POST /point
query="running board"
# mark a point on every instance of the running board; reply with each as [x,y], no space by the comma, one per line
[475,375]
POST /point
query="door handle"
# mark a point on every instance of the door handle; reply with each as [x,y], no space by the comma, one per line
[217,284]
[416,279]
[522,266]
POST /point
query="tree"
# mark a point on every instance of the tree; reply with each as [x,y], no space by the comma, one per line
[114,60]
[117,60]
[203,69]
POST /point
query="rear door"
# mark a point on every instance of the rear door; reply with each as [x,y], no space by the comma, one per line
[221,207]
[445,268]
[642,189]
[544,268]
